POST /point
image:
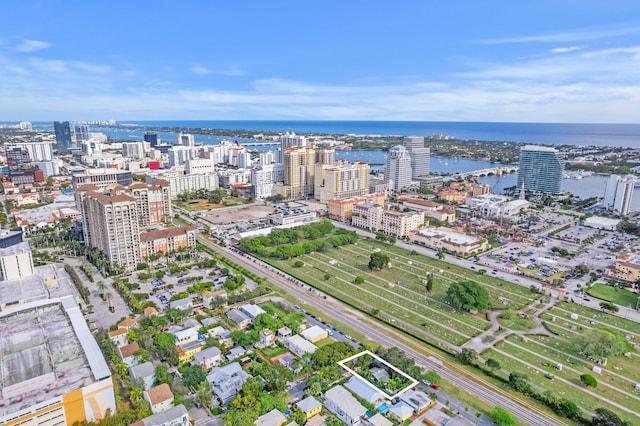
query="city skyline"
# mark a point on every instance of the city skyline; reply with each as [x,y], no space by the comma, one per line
[490,61]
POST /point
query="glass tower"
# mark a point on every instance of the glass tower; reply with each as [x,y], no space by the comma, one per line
[541,169]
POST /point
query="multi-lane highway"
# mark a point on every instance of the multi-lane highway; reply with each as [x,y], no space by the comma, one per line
[386,337]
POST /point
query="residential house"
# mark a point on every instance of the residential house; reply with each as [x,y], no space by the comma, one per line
[365,391]
[284,332]
[239,318]
[126,353]
[267,338]
[235,353]
[340,402]
[187,351]
[128,323]
[379,374]
[401,411]
[182,304]
[144,371]
[377,420]
[174,416]
[289,360]
[208,358]
[192,323]
[272,418]
[299,346]
[227,381]
[150,311]
[118,337]
[252,311]
[315,334]
[186,336]
[418,400]
[309,406]
[210,296]
[160,398]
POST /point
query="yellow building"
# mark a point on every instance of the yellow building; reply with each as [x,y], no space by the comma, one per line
[340,181]
[627,269]
[309,406]
[43,342]
[187,351]
[342,210]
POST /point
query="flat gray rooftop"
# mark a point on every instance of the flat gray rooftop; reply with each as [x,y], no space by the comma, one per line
[48,282]
[46,351]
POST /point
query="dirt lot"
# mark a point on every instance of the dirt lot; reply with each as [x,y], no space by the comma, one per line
[225,216]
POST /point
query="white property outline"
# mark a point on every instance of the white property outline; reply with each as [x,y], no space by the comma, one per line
[413,381]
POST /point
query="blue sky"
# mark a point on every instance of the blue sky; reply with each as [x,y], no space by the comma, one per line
[535,61]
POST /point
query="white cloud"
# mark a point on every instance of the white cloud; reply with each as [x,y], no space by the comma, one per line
[32,45]
[49,65]
[229,71]
[565,49]
[570,36]
[199,69]
[92,68]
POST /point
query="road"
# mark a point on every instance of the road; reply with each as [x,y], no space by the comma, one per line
[330,307]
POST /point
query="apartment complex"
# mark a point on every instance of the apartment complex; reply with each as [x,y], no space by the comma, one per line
[398,172]
[167,240]
[374,218]
[38,151]
[299,170]
[264,179]
[342,210]
[113,217]
[541,169]
[619,193]
[340,181]
[180,183]
[102,177]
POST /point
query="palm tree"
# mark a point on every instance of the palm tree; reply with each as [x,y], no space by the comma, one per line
[136,394]
[122,369]
[101,287]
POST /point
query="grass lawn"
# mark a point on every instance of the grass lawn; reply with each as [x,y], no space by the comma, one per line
[588,315]
[619,296]
[197,205]
[518,323]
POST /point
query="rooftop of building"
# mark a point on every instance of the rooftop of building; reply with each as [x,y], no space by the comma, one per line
[171,232]
[449,236]
[47,351]
[48,282]
[538,148]
[159,394]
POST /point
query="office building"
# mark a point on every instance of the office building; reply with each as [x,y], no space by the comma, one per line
[18,159]
[152,138]
[420,156]
[53,372]
[178,155]
[541,169]
[340,181]
[62,130]
[185,139]
[80,133]
[16,262]
[618,194]
[102,177]
[398,172]
[199,166]
[38,151]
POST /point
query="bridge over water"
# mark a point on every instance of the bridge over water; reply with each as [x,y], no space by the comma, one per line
[494,171]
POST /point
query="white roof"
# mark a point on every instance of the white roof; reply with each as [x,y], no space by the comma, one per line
[252,310]
[314,332]
[186,333]
[302,344]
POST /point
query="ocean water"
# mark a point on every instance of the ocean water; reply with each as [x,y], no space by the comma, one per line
[587,134]
[625,135]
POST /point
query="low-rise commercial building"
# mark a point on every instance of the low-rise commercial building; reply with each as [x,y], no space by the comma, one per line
[450,240]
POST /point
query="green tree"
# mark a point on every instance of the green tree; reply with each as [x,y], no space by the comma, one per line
[467,356]
[601,344]
[519,382]
[358,280]
[502,416]
[609,307]
[468,295]
[440,254]
[203,396]
[492,364]
[266,321]
[297,416]
[192,376]
[605,417]
[589,381]
[378,261]
[163,376]
[298,264]
[429,284]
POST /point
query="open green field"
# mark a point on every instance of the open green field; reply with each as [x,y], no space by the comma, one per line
[197,205]
[587,316]
[617,295]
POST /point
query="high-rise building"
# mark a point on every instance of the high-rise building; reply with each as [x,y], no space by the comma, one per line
[264,179]
[153,202]
[133,150]
[299,170]
[81,133]
[397,172]
[185,139]
[102,177]
[340,181]
[290,139]
[619,193]
[420,156]
[38,151]
[152,138]
[63,136]
[541,169]
[18,159]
